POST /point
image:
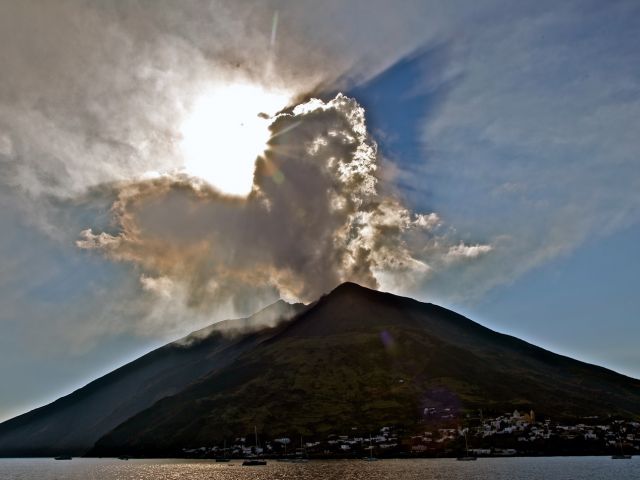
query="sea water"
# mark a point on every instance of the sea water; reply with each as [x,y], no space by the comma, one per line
[558,468]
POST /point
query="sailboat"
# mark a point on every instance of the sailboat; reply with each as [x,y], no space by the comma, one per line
[285,457]
[467,457]
[370,458]
[302,458]
[224,453]
[254,462]
[622,455]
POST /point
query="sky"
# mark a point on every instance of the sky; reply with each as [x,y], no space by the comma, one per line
[478,155]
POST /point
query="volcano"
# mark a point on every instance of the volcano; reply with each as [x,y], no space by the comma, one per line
[354,359]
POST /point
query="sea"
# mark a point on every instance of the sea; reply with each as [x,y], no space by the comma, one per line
[557,468]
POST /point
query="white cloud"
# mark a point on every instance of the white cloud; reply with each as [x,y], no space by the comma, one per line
[462,251]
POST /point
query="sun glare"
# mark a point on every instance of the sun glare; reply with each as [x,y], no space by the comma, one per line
[228,128]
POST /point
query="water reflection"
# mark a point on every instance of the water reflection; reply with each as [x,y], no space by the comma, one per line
[559,468]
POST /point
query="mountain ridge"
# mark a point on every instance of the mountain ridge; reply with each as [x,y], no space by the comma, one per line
[360,358]
[355,357]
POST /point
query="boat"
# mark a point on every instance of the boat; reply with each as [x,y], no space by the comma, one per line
[466,457]
[285,457]
[370,458]
[123,457]
[62,457]
[224,458]
[302,456]
[621,455]
[252,462]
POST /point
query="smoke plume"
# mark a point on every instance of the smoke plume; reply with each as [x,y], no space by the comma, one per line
[91,108]
[314,218]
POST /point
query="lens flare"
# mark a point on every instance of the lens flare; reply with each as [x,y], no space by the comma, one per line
[228,128]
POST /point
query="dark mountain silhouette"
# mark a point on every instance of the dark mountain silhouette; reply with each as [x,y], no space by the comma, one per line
[73,423]
[356,358]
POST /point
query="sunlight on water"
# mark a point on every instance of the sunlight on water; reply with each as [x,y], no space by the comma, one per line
[559,468]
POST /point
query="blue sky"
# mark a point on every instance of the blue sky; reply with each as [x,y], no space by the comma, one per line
[543,154]
[516,122]
[584,305]
[522,132]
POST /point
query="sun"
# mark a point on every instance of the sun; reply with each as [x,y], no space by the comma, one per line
[227,129]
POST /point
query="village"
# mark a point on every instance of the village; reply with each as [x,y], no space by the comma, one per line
[510,434]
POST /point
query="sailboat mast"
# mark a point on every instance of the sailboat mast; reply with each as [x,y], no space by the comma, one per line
[466,444]
[255,431]
[620,441]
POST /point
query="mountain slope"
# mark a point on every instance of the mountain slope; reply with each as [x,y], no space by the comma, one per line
[73,423]
[362,359]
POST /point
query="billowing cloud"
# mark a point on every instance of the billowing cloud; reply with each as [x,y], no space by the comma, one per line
[95,95]
[314,218]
